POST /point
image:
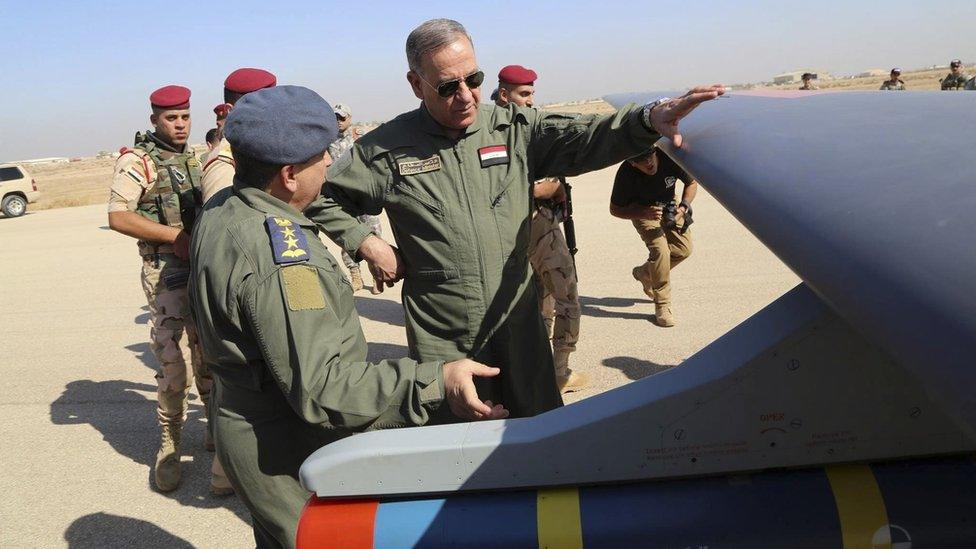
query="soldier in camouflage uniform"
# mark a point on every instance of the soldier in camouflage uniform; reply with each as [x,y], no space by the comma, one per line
[337,148]
[956,79]
[154,198]
[895,83]
[554,268]
[218,164]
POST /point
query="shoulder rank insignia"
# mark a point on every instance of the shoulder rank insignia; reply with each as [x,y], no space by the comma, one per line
[287,240]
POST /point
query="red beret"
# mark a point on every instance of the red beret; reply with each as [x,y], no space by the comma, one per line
[517,74]
[222,110]
[170,97]
[248,80]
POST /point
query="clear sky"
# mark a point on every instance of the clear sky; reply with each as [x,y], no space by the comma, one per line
[76,75]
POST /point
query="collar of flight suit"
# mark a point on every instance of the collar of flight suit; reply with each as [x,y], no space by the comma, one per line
[431,126]
[271,206]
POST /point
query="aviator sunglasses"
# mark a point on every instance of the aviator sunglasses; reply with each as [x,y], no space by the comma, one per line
[449,88]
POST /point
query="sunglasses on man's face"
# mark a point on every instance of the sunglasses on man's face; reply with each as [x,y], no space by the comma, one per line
[449,88]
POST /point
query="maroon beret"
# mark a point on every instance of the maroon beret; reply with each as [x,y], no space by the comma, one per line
[222,110]
[248,80]
[171,98]
[517,74]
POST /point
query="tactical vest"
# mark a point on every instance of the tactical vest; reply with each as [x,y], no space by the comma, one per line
[954,82]
[174,198]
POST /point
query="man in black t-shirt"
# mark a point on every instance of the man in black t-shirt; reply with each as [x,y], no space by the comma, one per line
[643,185]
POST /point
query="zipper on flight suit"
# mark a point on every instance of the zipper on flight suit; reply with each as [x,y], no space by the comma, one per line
[474,227]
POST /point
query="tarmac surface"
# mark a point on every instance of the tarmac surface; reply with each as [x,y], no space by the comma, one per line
[78,435]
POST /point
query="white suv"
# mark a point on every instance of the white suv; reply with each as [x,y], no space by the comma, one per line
[17,189]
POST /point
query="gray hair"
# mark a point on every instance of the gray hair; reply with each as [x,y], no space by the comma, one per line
[431,36]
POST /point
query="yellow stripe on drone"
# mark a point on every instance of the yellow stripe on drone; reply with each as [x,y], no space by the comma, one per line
[859,504]
[558,518]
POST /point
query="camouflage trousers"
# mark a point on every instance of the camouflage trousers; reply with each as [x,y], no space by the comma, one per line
[666,248]
[173,337]
[374,225]
[558,297]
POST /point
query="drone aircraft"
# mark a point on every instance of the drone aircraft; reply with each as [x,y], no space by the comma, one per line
[841,415]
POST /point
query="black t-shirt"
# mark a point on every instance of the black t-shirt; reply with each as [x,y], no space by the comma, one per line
[632,186]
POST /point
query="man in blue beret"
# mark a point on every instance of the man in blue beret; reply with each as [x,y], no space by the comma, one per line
[277,320]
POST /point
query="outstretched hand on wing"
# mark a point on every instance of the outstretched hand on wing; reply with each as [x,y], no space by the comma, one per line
[665,117]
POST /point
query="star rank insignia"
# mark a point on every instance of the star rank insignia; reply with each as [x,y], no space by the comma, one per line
[287,240]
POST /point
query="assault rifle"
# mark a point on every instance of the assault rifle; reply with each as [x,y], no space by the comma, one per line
[569,226]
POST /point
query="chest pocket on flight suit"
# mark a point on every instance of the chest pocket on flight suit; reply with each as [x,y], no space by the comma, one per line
[420,221]
[407,191]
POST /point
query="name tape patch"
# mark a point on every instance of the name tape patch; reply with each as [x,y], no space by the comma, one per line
[414,167]
[287,240]
[493,155]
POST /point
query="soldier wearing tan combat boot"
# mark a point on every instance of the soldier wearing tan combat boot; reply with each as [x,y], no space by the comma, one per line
[642,190]
[154,198]
[549,254]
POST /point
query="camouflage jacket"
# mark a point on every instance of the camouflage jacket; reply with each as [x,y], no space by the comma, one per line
[954,81]
[898,85]
[341,145]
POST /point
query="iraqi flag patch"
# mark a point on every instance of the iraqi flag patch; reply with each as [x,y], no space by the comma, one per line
[493,155]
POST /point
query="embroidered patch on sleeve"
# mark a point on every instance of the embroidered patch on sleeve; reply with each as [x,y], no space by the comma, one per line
[133,174]
[287,240]
[302,288]
[493,155]
[414,167]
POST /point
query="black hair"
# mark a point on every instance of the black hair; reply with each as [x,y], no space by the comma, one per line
[250,172]
[231,97]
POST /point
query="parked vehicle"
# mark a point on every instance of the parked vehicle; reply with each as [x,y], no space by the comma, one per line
[17,189]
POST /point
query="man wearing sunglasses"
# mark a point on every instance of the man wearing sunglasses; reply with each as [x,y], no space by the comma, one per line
[548,252]
[453,176]
[956,79]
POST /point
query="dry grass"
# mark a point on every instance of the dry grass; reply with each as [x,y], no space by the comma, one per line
[593,106]
[73,184]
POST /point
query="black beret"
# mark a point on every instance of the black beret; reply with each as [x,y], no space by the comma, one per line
[281,125]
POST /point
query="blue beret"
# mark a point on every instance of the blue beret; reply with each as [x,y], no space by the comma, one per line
[281,125]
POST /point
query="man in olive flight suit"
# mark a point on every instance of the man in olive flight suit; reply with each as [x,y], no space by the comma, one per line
[154,188]
[278,324]
[454,177]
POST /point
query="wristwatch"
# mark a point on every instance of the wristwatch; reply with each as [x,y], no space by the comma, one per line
[646,112]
